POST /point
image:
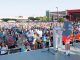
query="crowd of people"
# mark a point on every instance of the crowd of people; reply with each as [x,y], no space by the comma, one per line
[26,39]
[33,37]
[76,31]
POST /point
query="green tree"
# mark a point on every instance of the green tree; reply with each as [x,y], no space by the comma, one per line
[31,18]
[48,19]
[7,19]
[61,19]
[37,18]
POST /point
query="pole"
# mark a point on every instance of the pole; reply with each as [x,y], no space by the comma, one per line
[57,13]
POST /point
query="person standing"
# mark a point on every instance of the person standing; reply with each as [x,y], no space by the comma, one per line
[66,34]
[59,32]
[57,36]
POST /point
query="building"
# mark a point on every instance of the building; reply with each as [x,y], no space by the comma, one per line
[47,13]
[71,15]
[56,15]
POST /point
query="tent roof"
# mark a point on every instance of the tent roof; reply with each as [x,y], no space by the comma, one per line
[11,21]
[1,20]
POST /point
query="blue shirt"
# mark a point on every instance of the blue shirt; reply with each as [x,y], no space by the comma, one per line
[67,26]
[1,34]
[44,38]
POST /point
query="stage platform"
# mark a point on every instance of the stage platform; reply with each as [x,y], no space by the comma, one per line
[39,55]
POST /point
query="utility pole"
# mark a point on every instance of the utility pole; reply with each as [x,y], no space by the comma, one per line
[57,13]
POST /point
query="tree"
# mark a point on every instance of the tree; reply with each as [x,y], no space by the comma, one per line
[48,19]
[7,19]
[37,18]
[31,18]
[61,19]
[43,18]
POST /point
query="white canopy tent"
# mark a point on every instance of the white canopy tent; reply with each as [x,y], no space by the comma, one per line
[11,21]
[1,21]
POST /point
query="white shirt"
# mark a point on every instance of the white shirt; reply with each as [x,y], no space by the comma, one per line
[4,50]
[34,41]
[40,33]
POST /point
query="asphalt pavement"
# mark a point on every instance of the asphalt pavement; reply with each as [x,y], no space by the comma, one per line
[41,55]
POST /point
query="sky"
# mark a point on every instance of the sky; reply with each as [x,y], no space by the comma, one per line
[11,8]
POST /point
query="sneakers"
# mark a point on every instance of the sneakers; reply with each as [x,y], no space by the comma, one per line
[67,53]
[56,50]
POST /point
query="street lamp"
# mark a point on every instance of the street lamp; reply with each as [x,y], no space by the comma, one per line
[57,13]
